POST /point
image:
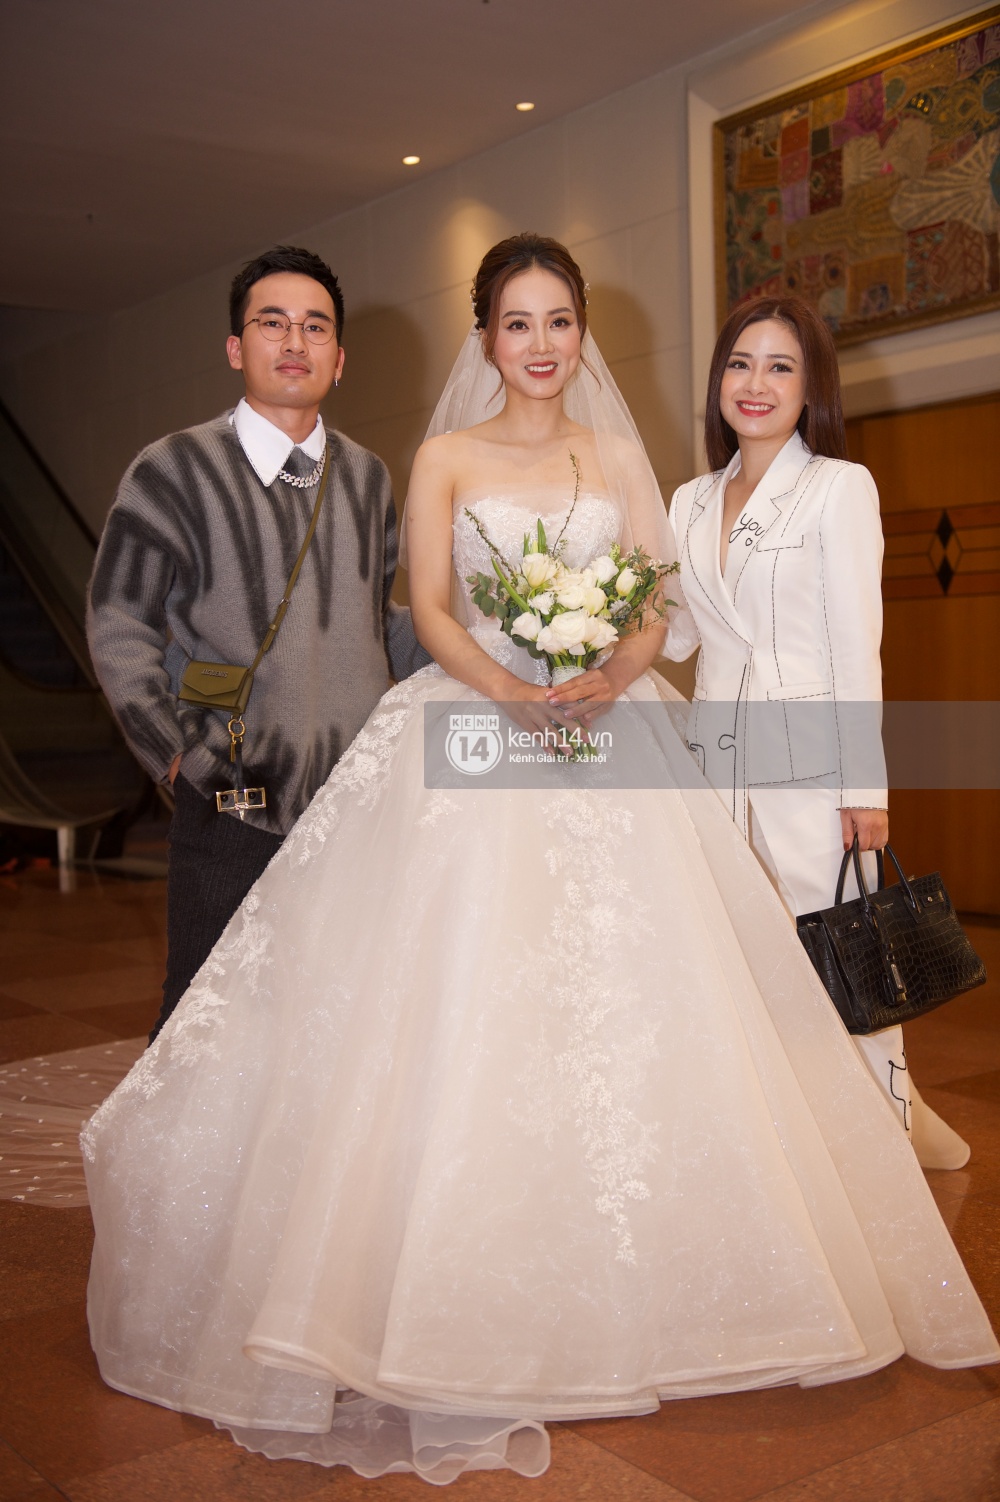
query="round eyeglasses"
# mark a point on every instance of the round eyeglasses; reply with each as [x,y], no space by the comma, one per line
[277,326]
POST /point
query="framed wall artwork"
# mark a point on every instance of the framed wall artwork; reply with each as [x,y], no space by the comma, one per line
[874,192]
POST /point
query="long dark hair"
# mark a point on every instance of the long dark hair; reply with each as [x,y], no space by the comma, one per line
[508,259]
[821,425]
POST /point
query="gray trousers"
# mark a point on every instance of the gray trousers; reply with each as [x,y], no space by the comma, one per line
[213,860]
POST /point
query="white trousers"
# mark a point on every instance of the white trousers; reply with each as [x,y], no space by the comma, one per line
[796,835]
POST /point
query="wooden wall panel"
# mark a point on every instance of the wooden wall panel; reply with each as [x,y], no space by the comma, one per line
[938,474]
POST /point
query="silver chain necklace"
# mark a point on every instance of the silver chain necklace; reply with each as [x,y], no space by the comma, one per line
[303,482]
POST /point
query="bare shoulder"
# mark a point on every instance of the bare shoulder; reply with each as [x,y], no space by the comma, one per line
[437,463]
[629,452]
[449,459]
[434,452]
[623,458]
[622,449]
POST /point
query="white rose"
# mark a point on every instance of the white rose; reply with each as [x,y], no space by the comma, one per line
[538,569]
[544,602]
[594,600]
[527,626]
[570,579]
[603,569]
[626,582]
[571,598]
[568,630]
[600,634]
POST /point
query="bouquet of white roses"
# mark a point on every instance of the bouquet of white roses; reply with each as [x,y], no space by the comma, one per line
[569,616]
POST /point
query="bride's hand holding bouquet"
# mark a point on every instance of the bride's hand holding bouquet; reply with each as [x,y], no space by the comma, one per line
[632,586]
[573,619]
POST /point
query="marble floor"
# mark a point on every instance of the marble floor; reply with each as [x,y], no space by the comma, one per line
[83,968]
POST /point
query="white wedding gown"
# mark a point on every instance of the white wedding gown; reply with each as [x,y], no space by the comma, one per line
[497,1106]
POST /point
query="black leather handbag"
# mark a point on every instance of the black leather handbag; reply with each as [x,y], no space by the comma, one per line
[892,954]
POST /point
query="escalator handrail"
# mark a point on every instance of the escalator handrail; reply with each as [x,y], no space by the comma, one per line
[33,573]
[36,457]
[21,802]
[45,688]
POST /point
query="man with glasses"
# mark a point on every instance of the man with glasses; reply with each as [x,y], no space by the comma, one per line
[194,560]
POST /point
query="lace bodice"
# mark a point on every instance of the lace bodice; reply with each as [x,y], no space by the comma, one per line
[506,517]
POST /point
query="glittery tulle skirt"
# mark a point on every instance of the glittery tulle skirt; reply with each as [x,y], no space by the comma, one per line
[497,1106]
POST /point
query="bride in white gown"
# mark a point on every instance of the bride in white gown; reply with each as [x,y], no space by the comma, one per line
[493,1106]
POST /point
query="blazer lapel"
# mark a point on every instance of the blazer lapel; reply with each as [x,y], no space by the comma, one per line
[763,511]
[782,480]
[702,546]
[755,520]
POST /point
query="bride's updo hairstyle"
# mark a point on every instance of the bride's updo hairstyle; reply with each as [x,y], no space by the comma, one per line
[508,259]
[821,425]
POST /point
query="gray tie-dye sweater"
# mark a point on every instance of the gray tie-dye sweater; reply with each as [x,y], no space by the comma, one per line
[192,563]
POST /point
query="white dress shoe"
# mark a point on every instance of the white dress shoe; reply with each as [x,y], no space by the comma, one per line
[935,1143]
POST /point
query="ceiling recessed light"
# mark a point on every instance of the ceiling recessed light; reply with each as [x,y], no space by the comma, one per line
[525,105]
[410,161]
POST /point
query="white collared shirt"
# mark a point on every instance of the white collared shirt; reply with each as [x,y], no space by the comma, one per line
[267,447]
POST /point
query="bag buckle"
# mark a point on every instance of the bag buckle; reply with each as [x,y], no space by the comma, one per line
[240,800]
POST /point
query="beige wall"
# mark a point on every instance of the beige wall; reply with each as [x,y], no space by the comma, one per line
[608,180]
[625,182]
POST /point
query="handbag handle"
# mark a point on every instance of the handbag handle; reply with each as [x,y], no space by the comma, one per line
[855,854]
[894,981]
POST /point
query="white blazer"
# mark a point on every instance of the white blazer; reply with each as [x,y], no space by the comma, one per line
[796,622]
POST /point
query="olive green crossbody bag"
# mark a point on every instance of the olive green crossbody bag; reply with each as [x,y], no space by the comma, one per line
[225,685]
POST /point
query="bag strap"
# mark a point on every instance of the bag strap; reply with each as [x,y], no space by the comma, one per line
[902,879]
[279,614]
[891,970]
[854,854]
[237,725]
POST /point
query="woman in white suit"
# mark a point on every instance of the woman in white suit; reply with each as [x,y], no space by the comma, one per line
[781,553]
